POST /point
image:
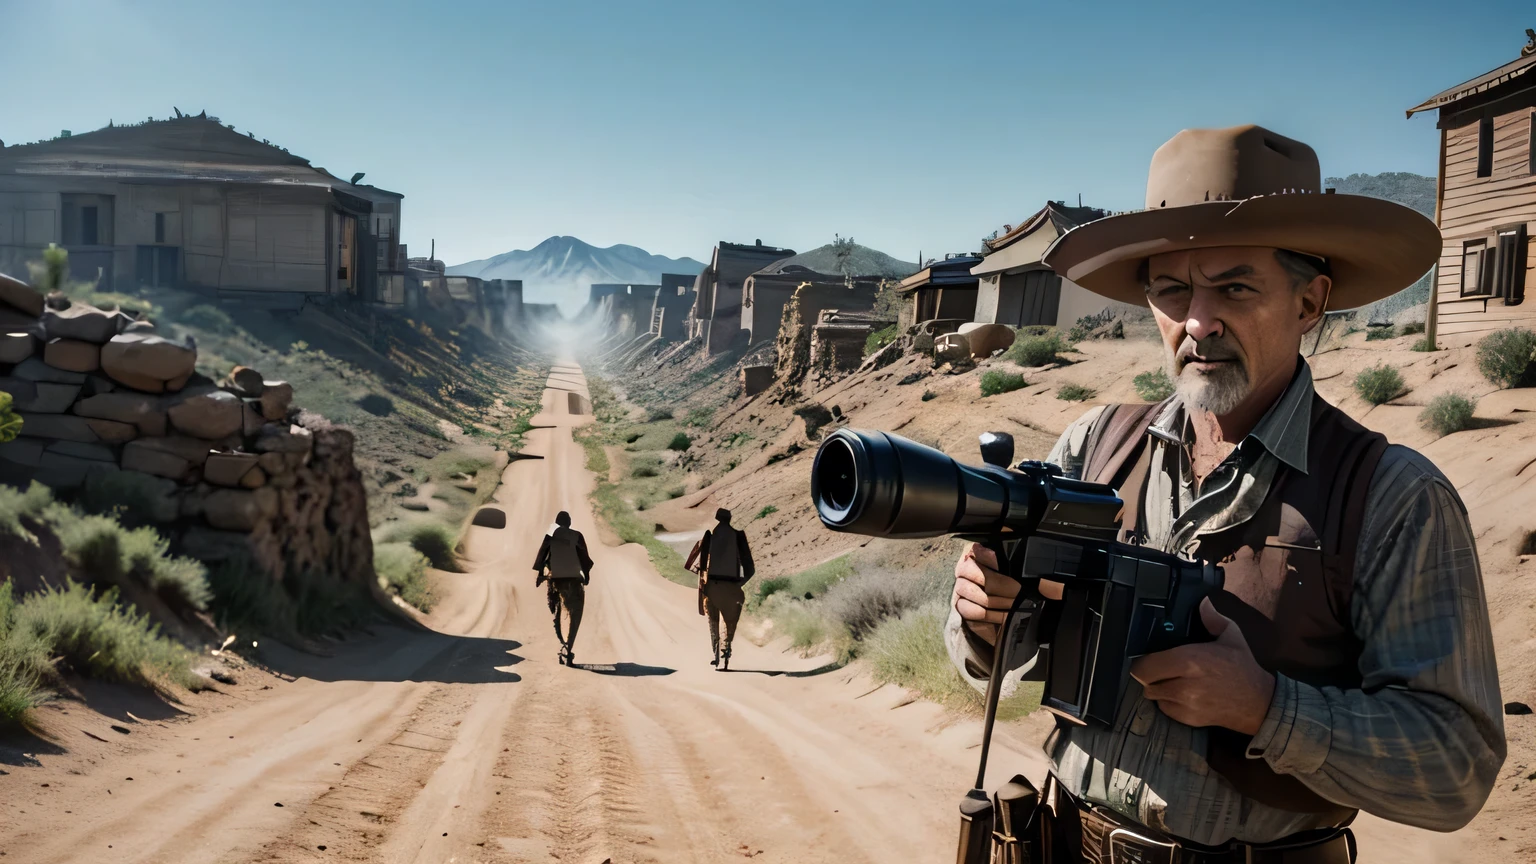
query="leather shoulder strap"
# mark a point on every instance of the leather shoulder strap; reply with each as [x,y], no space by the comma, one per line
[1117,440]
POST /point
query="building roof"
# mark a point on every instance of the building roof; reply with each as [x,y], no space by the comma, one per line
[754,247]
[953,270]
[1057,213]
[180,150]
[1483,83]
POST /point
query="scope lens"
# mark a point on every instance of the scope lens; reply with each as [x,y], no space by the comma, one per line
[838,476]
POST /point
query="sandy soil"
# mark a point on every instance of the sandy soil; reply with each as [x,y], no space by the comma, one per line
[469,743]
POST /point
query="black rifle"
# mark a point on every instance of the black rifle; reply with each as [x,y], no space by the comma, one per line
[1118,602]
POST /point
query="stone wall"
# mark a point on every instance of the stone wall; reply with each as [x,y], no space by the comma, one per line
[225,469]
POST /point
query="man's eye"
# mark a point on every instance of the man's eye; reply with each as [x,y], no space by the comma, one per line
[1235,288]
[1169,290]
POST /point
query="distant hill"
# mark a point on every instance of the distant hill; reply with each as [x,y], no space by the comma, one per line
[1411,190]
[562,269]
[849,259]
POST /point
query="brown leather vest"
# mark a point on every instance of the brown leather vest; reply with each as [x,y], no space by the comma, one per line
[1289,571]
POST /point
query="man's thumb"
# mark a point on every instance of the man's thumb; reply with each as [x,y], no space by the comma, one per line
[1215,623]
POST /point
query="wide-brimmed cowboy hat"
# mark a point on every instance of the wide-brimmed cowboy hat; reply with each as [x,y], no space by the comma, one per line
[1247,186]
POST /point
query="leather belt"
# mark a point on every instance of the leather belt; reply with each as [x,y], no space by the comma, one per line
[1109,838]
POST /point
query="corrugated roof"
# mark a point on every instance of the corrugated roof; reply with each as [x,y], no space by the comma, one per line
[1482,83]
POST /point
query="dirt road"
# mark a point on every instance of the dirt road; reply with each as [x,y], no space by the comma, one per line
[470,743]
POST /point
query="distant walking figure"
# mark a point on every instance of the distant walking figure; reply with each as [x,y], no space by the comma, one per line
[564,561]
[726,567]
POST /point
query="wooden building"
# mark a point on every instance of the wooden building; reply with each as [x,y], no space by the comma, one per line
[191,203]
[1486,202]
[943,290]
[1014,288]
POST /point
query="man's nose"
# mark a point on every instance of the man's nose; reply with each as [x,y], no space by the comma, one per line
[1204,319]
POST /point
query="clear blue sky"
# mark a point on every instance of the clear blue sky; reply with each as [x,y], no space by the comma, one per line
[672,125]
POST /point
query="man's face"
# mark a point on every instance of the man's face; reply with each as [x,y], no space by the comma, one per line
[1232,320]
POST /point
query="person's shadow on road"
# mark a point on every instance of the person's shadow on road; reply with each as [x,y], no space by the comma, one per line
[624,670]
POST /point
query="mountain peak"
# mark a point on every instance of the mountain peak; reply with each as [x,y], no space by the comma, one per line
[561,269]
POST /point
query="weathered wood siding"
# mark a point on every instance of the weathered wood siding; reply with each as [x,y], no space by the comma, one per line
[1475,208]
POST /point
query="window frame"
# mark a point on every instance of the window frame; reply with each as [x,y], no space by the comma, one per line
[1485,146]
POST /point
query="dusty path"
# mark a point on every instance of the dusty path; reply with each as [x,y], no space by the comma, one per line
[470,744]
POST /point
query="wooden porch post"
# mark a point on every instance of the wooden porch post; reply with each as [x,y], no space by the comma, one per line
[1432,314]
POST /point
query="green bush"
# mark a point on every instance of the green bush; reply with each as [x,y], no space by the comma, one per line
[909,651]
[403,570]
[1412,327]
[656,415]
[1075,393]
[644,471]
[679,442]
[699,417]
[16,505]
[1448,414]
[1153,386]
[435,542]
[860,602]
[766,511]
[10,421]
[677,492]
[23,664]
[808,584]
[1425,344]
[1036,350]
[210,318]
[92,635]
[879,339]
[1379,384]
[1504,356]
[1377,334]
[997,381]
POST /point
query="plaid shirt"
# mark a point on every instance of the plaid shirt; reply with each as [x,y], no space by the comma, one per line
[1420,743]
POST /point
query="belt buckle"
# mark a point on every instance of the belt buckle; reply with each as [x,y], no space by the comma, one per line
[1128,847]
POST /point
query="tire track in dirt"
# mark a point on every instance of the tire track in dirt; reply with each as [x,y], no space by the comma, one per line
[354,818]
[566,784]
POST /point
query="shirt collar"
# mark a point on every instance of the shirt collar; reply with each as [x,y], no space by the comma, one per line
[1283,430]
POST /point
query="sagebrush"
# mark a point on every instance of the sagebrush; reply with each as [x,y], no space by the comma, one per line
[1505,356]
[1153,386]
[995,381]
[1448,414]
[1379,384]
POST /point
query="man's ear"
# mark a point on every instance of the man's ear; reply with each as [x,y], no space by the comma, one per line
[1314,301]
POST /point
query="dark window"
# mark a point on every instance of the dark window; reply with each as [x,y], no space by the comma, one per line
[88,235]
[160,226]
[1485,147]
[1471,267]
[1509,275]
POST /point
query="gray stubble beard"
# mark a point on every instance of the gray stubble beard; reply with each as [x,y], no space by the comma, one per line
[1220,393]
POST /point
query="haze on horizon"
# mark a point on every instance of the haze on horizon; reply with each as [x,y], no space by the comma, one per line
[673,125]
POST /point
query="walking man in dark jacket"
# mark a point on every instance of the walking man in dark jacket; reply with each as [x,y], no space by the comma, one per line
[564,561]
[727,566]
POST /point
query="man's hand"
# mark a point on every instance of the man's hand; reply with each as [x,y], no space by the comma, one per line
[1209,683]
[983,596]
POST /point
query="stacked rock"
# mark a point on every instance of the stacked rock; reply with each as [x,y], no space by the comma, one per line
[225,467]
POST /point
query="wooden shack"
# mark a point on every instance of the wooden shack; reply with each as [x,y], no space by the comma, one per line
[944,289]
[1486,201]
[1016,289]
[190,203]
